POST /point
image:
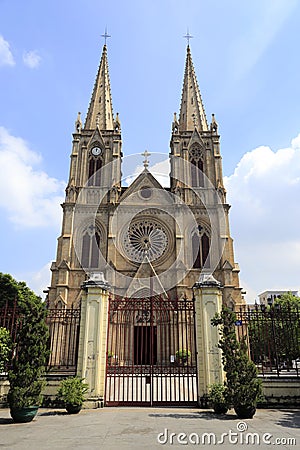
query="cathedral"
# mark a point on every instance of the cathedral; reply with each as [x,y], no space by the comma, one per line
[144,237]
[147,265]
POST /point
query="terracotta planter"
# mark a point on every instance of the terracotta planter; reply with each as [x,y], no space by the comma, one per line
[245,411]
[23,415]
[73,409]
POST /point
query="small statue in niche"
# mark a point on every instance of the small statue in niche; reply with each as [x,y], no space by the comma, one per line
[178,190]
[114,194]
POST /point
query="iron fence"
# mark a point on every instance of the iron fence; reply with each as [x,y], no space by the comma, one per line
[272,334]
[273,337]
[151,354]
[63,338]
[63,327]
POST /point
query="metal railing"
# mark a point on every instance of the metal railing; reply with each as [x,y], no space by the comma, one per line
[273,338]
[63,327]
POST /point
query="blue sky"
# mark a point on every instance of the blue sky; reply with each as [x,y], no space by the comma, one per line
[247,64]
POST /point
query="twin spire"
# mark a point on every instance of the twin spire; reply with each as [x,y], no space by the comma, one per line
[192,113]
[100,111]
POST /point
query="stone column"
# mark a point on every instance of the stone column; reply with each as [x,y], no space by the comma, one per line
[208,302]
[93,337]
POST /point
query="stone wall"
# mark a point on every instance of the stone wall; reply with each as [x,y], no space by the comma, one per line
[281,392]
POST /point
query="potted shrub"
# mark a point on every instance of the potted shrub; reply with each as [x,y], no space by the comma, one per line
[30,356]
[110,356]
[71,392]
[243,387]
[183,355]
[246,388]
[217,396]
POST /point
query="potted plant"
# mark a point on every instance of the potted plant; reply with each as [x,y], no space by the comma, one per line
[30,356]
[71,392]
[183,355]
[217,396]
[246,388]
[243,387]
[110,356]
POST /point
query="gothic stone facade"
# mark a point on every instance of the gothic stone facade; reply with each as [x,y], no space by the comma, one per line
[145,239]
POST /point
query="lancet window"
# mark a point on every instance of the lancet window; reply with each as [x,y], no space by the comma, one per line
[95,165]
[90,248]
[200,248]
[197,166]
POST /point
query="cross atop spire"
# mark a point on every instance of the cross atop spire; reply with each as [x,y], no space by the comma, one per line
[188,36]
[105,36]
[146,154]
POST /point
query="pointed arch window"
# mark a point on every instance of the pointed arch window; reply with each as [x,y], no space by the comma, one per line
[90,248]
[196,251]
[95,165]
[200,248]
[205,250]
[197,166]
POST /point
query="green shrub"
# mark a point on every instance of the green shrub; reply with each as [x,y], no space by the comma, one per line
[71,391]
[5,348]
[217,394]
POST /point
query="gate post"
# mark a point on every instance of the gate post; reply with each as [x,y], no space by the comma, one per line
[208,302]
[91,363]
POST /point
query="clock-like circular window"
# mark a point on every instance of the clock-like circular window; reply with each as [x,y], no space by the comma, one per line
[145,240]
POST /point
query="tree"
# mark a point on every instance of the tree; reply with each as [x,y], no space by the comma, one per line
[31,344]
[243,387]
[274,332]
[288,302]
[12,290]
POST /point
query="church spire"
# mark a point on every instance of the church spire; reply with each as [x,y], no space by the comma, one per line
[192,114]
[100,112]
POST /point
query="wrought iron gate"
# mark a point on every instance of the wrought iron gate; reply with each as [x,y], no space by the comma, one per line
[151,352]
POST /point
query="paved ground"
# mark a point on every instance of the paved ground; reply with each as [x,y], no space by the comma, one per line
[139,428]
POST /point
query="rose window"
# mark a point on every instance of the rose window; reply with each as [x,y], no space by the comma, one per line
[145,240]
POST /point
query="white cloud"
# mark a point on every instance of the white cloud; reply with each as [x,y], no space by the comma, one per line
[31,59]
[160,170]
[264,192]
[37,281]
[6,56]
[29,196]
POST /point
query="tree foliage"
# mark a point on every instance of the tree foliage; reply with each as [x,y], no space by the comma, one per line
[31,345]
[274,332]
[288,302]
[5,348]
